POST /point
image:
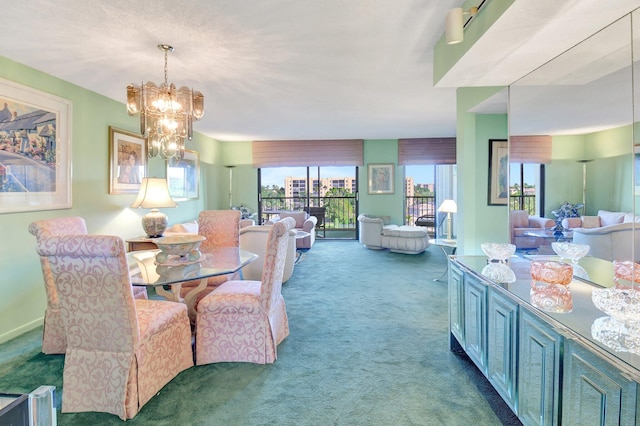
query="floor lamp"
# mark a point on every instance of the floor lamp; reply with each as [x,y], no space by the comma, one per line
[448,207]
[584,184]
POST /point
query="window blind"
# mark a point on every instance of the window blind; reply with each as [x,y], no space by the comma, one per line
[426,151]
[341,152]
[530,149]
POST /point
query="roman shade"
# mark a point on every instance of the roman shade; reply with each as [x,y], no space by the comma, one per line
[530,149]
[426,151]
[342,152]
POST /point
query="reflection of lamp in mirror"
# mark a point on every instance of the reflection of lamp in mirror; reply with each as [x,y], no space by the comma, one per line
[584,185]
[448,207]
[154,194]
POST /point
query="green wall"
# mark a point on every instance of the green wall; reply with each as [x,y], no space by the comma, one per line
[23,298]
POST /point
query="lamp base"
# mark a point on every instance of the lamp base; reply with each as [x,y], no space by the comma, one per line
[155,223]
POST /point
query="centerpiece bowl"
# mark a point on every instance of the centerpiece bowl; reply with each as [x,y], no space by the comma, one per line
[179,248]
[551,272]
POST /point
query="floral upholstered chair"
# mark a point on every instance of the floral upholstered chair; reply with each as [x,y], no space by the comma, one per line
[244,321]
[54,340]
[120,351]
[221,229]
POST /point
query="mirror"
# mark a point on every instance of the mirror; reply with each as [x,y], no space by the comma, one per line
[581,102]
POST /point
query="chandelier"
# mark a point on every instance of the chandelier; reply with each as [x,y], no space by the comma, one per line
[166,113]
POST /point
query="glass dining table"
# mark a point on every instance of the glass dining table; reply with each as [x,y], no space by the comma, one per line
[167,278]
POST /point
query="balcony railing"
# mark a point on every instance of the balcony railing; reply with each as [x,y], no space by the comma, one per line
[523,202]
[422,206]
[339,219]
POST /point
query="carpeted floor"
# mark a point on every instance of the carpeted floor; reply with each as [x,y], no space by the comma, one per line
[368,346]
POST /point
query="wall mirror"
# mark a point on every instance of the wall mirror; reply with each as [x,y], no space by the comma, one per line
[581,102]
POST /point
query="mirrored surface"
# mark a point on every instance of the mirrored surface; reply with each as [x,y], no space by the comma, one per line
[583,100]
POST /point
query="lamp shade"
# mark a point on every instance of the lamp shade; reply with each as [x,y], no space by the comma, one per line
[448,206]
[153,194]
[454,27]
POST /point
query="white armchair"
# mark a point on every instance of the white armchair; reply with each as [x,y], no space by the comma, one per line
[254,239]
[304,222]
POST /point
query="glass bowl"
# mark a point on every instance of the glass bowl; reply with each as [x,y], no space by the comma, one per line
[498,251]
[183,247]
[552,298]
[551,272]
[626,273]
[499,273]
[571,251]
[622,304]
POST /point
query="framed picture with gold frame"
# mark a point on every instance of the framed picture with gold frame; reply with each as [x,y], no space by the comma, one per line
[183,176]
[498,194]
[127,161]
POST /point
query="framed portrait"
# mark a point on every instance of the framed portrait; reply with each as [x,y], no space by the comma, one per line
[498,172]
[35,149]
[381,179]
[183,176]
[128,161]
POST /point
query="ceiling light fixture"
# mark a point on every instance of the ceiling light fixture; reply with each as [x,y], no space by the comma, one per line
[166,113]
[454,25]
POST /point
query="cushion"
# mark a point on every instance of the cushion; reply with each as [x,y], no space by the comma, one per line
[406,232]
[519,219]
[630,217]
[589,222]
[186,227]
[610,218]
[299,217]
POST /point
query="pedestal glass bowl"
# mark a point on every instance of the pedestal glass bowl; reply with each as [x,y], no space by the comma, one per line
[622,304]
[551,272]
[626,274]
[499,273]
[498,251]
[570,251]
[179,248]
[552,298]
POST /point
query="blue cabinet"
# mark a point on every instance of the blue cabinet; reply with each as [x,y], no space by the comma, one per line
[475,322]
[539,353]
[456,309]
[594,392]
[502,333]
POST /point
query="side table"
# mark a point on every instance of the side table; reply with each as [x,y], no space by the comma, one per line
[141,243]
[443,244]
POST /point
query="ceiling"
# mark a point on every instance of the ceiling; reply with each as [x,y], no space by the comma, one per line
[277,69]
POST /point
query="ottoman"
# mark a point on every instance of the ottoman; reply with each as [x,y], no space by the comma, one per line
[405,239]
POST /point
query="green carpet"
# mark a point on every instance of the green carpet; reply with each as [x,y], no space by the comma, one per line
[368,346]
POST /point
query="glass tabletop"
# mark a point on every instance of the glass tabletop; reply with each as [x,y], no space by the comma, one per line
[145,271]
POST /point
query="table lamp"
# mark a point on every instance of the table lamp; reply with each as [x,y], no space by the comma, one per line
[154,194]
[448,207]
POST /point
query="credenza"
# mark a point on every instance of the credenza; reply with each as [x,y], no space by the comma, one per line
[550,368]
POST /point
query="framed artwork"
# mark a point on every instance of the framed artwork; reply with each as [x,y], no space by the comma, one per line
[498,172]
[35,149]
[381,179]
[128,161]
[636,169]
[183,176]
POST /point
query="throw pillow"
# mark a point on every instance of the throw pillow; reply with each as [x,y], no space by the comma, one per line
[631,218]
[589,222]
[610,218]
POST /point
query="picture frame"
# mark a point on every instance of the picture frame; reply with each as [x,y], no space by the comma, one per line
[127,161]
[636,169]
[381,179]
[35,149]
[183,176]
[498,193]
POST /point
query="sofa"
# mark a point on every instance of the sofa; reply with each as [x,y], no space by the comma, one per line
[304,222]
[609,235]
[377,233]
[520,223]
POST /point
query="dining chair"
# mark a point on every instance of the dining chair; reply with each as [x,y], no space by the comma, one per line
[243,320]
[54,339]
[120,350]
[221,229]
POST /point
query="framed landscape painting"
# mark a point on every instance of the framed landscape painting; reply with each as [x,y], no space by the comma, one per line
[498,172]
[35,149]
[183,176]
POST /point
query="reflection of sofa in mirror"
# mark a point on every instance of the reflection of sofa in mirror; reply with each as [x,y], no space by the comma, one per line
[609,234]
[522,223]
